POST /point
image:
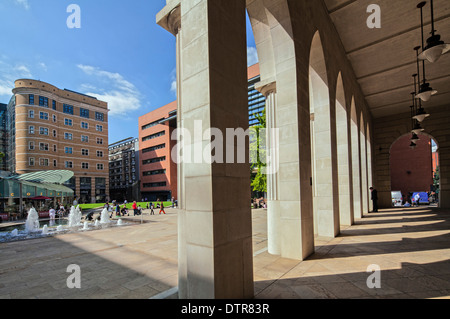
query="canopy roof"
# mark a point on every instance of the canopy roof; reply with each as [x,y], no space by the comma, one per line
[50,177]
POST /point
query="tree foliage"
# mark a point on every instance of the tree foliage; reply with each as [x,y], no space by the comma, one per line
[259,179]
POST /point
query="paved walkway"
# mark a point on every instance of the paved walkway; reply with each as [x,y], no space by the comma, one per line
[411,247]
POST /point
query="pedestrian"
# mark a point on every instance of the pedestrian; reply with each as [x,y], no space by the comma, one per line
[417,199]
[134,207]
[117,209]
[374,199]
[152,212]
[162,209]
[173,202]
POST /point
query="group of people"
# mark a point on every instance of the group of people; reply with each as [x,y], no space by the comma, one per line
[122,210]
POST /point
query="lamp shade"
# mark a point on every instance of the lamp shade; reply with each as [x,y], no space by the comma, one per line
[417,129]
[421,115]
[425,92]
[433,53]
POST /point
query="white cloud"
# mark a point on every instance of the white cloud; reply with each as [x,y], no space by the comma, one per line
[23,3]
[252,56]
[43,66]
[122,96]
[9,73]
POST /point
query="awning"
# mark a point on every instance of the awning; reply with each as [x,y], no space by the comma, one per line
[57,176]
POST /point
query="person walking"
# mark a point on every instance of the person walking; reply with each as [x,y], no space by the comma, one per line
[374,199]
[152,212]
[162,209]
[416,199]
[135,209]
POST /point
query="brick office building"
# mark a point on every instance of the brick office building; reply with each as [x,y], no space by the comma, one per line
[158,173]
[53,129]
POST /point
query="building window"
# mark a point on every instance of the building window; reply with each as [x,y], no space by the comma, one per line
[99,116]
[55,163]
[68,136]
[100,167]
[43,101]
[43,131]
[85,138]
[99,128]
[31,161]
[68,109]
[84,113]
[68,122]
[150,137]
[151,124]
[152,185]
[154,160]
[68,150]
[43,146]
[85,125]
[31,99]
[43,116]
[85,165]
[31,114]
[43,161]
[99,141]
[31,129]
[54,118]
[84,152]
[68,164]
[153,148]
[31,146]
[54,104]
[99,153]
[54,133]
[156,172]
[54,148]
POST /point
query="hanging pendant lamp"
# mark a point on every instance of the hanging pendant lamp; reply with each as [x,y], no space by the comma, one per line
[435,47]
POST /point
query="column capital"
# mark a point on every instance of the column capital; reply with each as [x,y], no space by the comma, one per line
[169,17]
[266,87]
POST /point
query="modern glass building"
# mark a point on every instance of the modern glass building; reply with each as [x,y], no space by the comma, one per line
[256,101]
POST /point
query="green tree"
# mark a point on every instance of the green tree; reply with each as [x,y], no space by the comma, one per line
[259,179]
[436,180]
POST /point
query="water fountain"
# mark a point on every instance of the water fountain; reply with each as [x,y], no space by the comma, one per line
[104,218]
[32,223]
[45,230]
[119,222]
[59,228]
[97,223]
[14,233]
[74,217]
[86,227]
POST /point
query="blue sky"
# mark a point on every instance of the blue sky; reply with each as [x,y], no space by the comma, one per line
[119,54]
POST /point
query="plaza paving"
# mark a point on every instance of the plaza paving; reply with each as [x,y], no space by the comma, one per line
[411,247]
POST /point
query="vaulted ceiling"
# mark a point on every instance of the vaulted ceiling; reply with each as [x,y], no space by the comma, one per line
[384,59]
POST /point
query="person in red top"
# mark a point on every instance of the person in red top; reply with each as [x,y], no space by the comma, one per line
[134,207]
[162,209]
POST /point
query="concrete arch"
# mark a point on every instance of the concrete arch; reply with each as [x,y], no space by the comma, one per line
[356,164]
[369,162]
[326,213]
[343,156]
[415,162]
[364,178]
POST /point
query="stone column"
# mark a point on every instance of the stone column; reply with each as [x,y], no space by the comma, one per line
[269,90]
[215,255]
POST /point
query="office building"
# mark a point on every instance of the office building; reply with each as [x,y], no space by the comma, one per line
[158,173]
[54,129]
[124,170]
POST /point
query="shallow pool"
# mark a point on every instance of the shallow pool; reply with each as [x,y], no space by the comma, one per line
[42,223]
